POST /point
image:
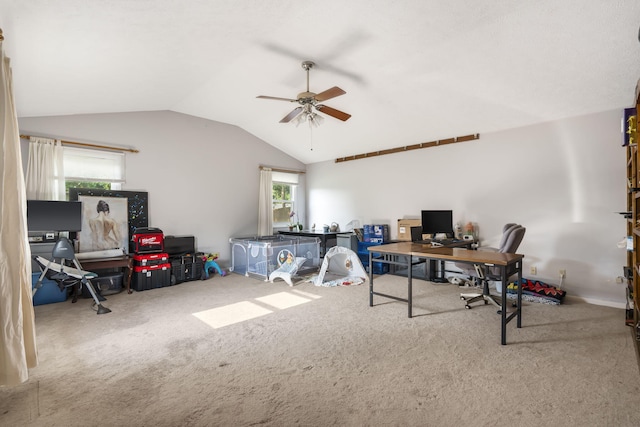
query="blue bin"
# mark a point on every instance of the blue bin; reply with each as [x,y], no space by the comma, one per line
[49,292]
[363,254]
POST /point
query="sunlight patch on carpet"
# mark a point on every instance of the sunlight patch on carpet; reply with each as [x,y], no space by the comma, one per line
[283,300]
[306,294]
[246,310]
[230,314]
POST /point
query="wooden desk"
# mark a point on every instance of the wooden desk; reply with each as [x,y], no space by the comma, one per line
[104,263]
[430,266]
[403,253]
[327,240]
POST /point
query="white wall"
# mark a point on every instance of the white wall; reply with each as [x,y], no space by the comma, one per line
[202,176]
[564,181]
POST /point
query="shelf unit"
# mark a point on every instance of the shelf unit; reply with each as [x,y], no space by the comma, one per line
[632,269]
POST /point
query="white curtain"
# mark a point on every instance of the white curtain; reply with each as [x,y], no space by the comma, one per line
[17,323]
[265,204]
[45,174]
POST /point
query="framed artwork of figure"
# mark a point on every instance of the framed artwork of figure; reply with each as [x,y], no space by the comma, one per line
[105,223]
[135,215]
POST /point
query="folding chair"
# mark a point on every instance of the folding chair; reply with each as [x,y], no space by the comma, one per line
[58,269]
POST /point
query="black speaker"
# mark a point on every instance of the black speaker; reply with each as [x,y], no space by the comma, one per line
[416,233]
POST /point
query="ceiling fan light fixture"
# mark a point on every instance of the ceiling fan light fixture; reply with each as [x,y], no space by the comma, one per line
[300,118]
[314,119]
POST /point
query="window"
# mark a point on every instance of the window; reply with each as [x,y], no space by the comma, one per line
[93,169]
[284,189]
[283,202]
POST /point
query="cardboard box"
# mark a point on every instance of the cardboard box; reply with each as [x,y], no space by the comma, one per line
[404,228]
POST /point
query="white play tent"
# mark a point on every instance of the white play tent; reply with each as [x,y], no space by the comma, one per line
[340,267]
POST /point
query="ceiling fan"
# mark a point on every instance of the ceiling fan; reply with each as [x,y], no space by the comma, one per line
[309,101]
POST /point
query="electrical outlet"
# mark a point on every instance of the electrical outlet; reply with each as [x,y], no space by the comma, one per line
[563,273]
[533,270]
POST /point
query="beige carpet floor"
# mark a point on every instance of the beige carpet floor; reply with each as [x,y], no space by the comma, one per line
[236,351]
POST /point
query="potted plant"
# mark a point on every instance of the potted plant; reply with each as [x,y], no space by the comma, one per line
[292,224]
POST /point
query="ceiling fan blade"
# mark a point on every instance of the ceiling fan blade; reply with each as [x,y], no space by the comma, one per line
[333,112]
[276,98]
[329,93]
[291,115]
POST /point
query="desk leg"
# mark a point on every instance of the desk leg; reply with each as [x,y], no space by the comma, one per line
[519,321]
[409,285]
[503,312]
[370,279]
[129,274]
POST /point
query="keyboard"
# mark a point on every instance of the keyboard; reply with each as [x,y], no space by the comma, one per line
[445,241]
[438,242]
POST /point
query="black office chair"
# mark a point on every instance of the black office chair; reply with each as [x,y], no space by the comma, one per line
[481,275]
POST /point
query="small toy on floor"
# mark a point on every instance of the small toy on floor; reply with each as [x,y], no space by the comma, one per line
[211,266]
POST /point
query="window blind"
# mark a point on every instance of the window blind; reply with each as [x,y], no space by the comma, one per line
[285,178]
[93,165]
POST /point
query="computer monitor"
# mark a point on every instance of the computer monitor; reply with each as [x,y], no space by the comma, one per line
[53,215]
[436,222]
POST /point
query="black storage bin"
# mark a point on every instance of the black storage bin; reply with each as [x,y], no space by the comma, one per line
[194,267]
[151,277]
[179,245]
[186,267]
[177,271]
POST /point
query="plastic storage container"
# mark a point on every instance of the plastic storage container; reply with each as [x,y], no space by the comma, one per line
[105,285]
[147,240]
[186,267]
[179,245]
[260,256]
[150,259]
[151,277]
[363,254]
[49,292]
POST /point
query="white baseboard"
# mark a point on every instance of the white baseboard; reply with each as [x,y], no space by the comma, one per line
[605,303]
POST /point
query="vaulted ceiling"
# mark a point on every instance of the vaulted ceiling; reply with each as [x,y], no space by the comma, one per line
[413,71]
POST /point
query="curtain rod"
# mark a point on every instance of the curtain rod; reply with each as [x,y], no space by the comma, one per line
[84,144]
[282,170]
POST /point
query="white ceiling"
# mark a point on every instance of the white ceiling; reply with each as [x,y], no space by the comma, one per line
[414,70]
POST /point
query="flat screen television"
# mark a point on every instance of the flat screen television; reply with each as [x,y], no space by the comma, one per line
[436,222]
[53,215]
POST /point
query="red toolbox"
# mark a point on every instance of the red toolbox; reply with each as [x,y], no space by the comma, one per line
[145,240]
[151,277]
[142,260]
